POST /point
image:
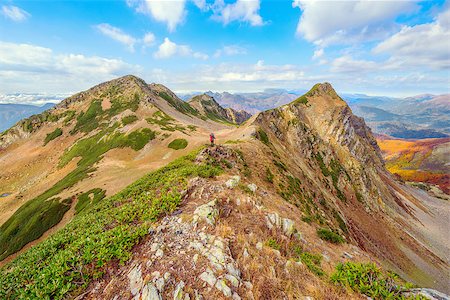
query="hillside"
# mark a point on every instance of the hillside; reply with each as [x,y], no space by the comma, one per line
[422,161]
[294,203]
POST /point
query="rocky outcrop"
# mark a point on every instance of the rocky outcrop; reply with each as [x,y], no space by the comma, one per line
[210,109]
[237,116]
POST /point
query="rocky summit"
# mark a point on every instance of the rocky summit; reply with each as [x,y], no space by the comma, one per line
[117,193]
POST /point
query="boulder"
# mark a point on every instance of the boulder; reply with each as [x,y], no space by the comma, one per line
[207,212]
[150,292]
[233,181]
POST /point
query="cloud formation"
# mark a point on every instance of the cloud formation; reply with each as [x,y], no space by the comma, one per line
[241,11]
[117,34]
[347,22]
[169,49]
[424,45]
[30,68]
[230,50]
[166,11]
[15,13]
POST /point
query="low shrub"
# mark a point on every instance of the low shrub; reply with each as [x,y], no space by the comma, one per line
[330,236]
[369,280]
[53,135]
[178,144]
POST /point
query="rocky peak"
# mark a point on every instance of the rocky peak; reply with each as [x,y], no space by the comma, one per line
[210,109]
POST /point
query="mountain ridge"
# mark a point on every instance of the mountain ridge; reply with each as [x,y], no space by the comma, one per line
[296,179]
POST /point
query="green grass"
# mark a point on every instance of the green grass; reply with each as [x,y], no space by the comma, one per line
[63,265]
[87,121]
[262,136]
[179,105]
[302,100]
[269,175]
[312,262]
[86,200]
[335,171]
[272,243]
[330,236]
[38,215]
[165,122]
[369,280]
[53,135]
[129,119]
[178,144]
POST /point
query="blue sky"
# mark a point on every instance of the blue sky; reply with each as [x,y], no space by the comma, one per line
[395,48]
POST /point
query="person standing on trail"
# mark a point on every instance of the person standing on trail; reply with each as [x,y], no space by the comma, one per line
[212,138]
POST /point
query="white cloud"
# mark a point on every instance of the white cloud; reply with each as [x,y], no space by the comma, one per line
[30,68]
[171,12]
[241,11]
[201,4]
[318,53]
[230,50]
[346,64]
[15,13]
[346,22]
[236,77]
[148,39]
[118,35]
[32,99]
[423,45]
[168,49]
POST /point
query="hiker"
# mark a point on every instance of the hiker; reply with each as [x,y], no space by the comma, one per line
[212,138]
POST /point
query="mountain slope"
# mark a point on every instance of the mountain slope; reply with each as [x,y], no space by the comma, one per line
[296,203]
[96,139]
[319,134]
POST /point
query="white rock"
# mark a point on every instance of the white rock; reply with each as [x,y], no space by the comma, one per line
[233,182]
[160,282]
[207,212]
[236,296]
[245,253]
[259,245]
[178,293]
[154,247]
[252,187]
[156,274]
[150,292]
[233,270]
[166,276]
[428,293]
[248,285]
[135,279]
[233,280]
[288,227]
[347,255]
[195,258]
[222,286]
[159,253]
[209,277]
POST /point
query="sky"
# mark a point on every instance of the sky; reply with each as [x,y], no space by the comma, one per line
[393,48]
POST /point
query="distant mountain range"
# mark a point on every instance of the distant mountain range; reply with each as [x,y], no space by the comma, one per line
[10,114]
[418,117]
